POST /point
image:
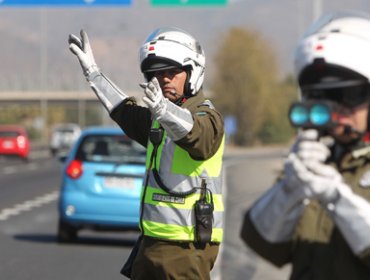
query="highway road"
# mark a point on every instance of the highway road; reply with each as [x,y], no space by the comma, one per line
[28,222]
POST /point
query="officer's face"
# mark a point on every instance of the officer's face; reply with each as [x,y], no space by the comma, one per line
[356,118]
[172,82]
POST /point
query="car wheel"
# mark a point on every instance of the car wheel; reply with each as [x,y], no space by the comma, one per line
[66,232]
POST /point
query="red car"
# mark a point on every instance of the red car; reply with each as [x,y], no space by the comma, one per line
[14,141]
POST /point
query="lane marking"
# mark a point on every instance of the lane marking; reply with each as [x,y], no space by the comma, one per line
[10,169]
[14,168]
[6,213]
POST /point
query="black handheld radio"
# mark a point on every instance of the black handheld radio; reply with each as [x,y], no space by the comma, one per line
[204,215]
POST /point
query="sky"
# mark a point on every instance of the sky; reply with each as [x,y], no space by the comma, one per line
[35,50]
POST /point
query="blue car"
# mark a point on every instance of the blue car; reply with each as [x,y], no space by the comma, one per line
[101,183]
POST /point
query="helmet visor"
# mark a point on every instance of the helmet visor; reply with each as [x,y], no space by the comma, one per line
[350,96]
[155,63]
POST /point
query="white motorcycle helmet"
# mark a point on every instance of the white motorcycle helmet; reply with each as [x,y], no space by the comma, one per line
[171,47]
[334,52]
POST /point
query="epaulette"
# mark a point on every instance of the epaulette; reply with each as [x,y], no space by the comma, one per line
[364,151]
[207,103]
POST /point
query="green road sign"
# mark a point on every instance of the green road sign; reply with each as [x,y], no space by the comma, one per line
[189,2]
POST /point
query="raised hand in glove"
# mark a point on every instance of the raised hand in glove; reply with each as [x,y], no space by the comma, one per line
[82,49]
[175,120]
[154,98]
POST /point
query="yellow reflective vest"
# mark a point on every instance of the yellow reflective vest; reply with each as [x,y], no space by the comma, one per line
[171,217]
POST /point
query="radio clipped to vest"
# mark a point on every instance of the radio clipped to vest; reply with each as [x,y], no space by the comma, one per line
[204,215]
[156,136]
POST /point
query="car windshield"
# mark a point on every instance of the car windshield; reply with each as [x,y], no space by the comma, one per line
[110,148]
[8,134]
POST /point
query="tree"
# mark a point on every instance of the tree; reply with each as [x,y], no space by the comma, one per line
[246,85]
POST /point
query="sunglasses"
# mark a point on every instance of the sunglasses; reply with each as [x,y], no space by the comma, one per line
[350,96]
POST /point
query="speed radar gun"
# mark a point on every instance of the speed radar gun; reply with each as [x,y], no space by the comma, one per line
[320,108]
[311,114]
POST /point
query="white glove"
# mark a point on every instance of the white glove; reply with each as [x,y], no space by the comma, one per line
[276,213]
[82,49]
[177,121]
[305,168]
[107,92]
[308,148]
[316,180]
[154,98]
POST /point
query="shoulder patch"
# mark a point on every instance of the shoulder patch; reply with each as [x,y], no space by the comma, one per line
[365,151]
[201,113]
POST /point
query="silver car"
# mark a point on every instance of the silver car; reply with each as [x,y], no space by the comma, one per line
[63,136]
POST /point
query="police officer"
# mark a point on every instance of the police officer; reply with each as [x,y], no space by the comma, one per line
[317,214]
[184,137]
